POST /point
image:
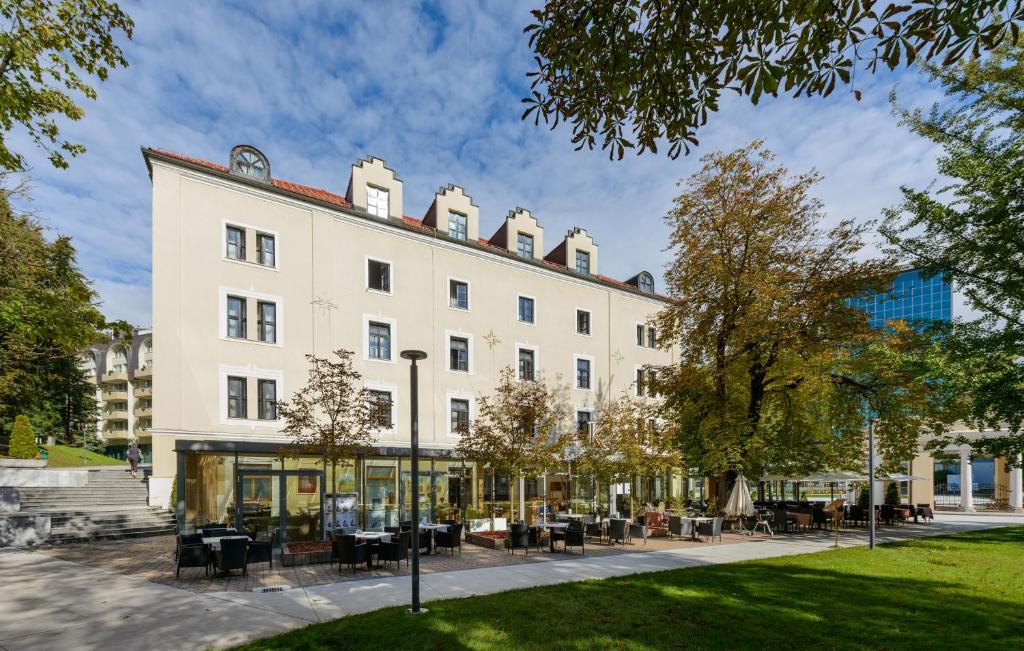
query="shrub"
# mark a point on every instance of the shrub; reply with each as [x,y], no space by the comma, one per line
[23,440]
[863,498]
[892,494]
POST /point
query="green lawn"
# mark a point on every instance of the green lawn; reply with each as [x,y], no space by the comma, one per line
[62,456]
[961,591]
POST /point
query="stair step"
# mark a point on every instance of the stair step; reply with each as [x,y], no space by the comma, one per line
[142,533]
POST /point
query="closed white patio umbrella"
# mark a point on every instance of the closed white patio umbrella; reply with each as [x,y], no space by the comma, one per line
[739,502]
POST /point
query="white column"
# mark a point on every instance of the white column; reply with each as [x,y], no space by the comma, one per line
[522,499]
[966,481]
[1016,485]
[611,500]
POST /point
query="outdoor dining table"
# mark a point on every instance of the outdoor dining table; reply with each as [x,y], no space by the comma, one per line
[553,525]
[214,543]
[693,528]
[432,528]
[906,514]
[371,536]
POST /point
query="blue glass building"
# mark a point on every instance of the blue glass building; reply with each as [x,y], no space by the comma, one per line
[912,298]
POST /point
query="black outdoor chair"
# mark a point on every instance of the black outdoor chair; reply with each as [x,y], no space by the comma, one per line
[397,550]
[519,538]
[780,520]
[711,529]
[573,537]
[262,551]
[187,539]
[215,532]
[449,539]
[233,555]
[536,537]
[594,530]
[888,514]
[819,518]
[395,530]
[192,555]
[617,531]
[639,530]
[925,511]
[351,554]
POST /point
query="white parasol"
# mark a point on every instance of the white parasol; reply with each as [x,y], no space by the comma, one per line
[739,502]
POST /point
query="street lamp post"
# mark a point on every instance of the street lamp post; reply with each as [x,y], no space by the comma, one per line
[414,356]
[871,483]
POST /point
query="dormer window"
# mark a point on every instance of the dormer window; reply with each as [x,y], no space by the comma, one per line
[456,226]
[646,283]
[250,162]
[524,245]
[583,262]
[377,202]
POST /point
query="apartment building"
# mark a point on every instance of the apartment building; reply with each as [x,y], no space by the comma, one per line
[122,371]
[251,273]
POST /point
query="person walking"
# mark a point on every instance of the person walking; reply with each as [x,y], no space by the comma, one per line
[134,456]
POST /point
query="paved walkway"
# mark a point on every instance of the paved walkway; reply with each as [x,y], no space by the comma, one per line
[49,603]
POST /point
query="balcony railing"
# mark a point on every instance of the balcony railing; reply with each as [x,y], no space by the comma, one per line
[115,395]
[115,414]
[115,376]
[144,412]
[143,392]
[145,371]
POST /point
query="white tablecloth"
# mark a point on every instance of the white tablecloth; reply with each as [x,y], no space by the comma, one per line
[215,542]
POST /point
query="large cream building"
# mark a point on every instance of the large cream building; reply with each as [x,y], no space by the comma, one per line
[251,273]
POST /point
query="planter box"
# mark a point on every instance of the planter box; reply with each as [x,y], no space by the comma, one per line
[306,553]
[496,539]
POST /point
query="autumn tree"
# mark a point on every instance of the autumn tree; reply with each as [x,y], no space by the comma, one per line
[629,440]
[761,306]
[334,416]
[516,430]
[48,51]
[969,229]
[629,73]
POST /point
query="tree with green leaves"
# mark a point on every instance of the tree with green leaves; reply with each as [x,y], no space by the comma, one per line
[969,229]
[48,319]
[629,440]
[630,73]
[516,430]
[23,440]
[334,417]
[48,51]
[774,367]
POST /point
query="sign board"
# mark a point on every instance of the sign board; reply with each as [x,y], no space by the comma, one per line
[341,510]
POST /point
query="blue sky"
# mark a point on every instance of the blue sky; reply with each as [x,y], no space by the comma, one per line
[434,90]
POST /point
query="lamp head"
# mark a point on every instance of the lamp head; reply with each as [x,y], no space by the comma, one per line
[413,355]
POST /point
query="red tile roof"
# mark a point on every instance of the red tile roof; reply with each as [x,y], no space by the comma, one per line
[325,196]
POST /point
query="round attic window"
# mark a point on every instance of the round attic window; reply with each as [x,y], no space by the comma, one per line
[250,162]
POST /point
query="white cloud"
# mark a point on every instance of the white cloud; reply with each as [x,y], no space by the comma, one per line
[434,91]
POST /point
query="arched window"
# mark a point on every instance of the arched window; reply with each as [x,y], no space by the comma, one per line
[250,162]
[118,359]
[646,283]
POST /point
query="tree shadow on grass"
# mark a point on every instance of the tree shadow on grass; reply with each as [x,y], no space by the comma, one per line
[848,599]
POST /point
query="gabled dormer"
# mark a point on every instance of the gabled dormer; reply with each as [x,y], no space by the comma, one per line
[453,212]
[577,251]
[521,234]
[373,187]
[644,281]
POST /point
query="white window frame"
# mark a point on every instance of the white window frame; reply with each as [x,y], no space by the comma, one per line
[636,387]
[536,359]
[459,334]
[575,416]
[533,246]
[529,323]
[376,211]
[393,390]
[366,338]
[469,294]
[257,238]
[448,225]
[575,265]
[643,339]
[575,360]
[249,372]
[253,262]
[576,322]
[366,275]
[252,299]
[456,394]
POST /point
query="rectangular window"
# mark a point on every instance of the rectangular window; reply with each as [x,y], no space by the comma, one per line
[583,262]
[268,399]
[267,318]
[237,397]
[378,276]
[639,382]
[652,337]
[639,335]
[525,309]
[651,377]
[266,249]
[458,354]
[382,401]
[524,245]
[582,322]
[526,366]
[460,415]
[380,341]
[377,202]
[235,243]
[583,423]
[582,373]
[458,294]
[457,226]
[236,317]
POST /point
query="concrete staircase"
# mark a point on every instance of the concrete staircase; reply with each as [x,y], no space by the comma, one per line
[111,506]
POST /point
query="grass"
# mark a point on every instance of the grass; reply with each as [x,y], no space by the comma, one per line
[62,456]
[960,591]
